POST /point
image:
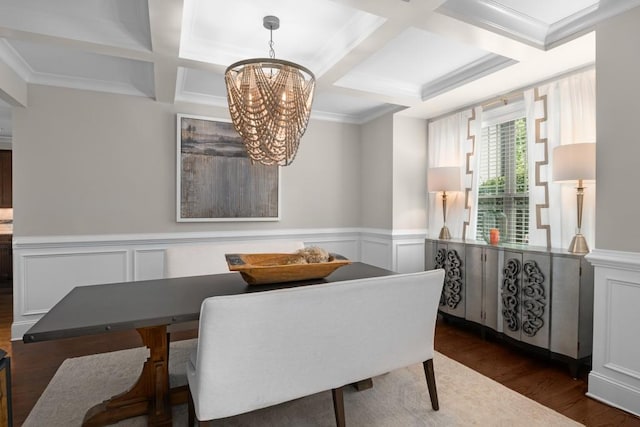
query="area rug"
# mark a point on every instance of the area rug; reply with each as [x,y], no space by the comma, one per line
[397,399]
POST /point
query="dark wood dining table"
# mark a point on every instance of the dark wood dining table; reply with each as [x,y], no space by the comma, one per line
[150,307]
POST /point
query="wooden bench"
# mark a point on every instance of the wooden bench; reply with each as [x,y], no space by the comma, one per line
[259,349]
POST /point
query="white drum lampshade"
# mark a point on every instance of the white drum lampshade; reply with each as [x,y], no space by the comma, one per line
[444,179]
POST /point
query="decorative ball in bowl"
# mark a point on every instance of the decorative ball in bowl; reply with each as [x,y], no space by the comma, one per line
[305,264]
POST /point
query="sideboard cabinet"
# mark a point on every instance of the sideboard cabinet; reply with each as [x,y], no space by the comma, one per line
[538,297]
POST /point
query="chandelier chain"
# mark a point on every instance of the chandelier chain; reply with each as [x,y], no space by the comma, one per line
[272,53]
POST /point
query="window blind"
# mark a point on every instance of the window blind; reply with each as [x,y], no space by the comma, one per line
[503,193]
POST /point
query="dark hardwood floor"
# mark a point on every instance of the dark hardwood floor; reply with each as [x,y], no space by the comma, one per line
[548,382]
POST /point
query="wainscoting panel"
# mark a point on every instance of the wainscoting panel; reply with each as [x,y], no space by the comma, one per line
[46,269]
[49,277]
[615,375]
[349,246]
[148,264]
[623,309]
[408,255]
[375,249]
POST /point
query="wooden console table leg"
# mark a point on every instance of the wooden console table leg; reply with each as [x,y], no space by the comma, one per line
[149,395]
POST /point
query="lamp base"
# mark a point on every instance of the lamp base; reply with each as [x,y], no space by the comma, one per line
[578,245]
[444,233]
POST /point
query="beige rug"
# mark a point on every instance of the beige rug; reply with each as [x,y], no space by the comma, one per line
[399,398]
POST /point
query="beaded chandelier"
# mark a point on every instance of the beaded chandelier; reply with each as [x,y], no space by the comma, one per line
[270,102]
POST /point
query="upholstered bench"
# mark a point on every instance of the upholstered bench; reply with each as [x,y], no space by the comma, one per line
[259,349]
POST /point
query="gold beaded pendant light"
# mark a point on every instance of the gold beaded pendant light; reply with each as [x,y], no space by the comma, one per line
[270,102]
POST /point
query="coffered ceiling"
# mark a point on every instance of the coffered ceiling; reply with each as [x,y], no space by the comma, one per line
[424,57]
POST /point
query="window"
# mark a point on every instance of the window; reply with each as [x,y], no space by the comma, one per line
[503,192]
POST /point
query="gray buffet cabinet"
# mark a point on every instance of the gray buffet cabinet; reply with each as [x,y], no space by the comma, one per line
[540,298]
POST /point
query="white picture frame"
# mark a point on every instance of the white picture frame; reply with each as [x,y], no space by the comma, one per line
[215,179]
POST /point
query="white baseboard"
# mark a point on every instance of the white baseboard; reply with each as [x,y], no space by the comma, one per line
[613,393]
[47,268]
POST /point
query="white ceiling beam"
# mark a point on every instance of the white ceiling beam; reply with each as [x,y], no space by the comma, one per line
[97,48]
[401,8]
[398,18]
[462,32]
[205,66]
[165,21]
[384,34]
[13,90]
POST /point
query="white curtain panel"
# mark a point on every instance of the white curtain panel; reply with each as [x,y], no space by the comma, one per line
[447,145]
[471,181]
[538,153]
[570,119]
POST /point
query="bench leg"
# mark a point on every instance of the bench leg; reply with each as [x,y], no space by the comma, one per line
[338,406]
[431,383]
[191,409]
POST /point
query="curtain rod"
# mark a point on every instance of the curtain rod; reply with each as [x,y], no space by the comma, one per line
[502,100]
[512,94]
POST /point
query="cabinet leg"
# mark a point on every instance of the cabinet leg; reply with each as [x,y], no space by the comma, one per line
[574,368]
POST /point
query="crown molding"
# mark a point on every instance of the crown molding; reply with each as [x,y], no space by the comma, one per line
[495,17]
[357,119]
[486,65]
[585,21]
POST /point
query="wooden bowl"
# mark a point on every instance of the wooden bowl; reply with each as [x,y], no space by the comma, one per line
[264,268]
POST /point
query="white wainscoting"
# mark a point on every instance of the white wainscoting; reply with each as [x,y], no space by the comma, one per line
[408,251]
[615,375]
[47,268]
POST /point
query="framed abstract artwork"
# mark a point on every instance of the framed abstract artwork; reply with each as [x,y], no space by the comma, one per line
[216,180]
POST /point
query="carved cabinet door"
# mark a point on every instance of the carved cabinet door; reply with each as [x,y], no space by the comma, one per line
[536,299]
[451,257]
[525,297]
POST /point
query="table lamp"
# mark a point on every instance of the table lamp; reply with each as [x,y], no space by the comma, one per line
[443,179]
[576,162]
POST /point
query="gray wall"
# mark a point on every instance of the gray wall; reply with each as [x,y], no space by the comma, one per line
[377,173]
[409,173]
[94,163]
[618,132]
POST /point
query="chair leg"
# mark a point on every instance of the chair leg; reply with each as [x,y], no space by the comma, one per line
[338,406]
[431,383]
